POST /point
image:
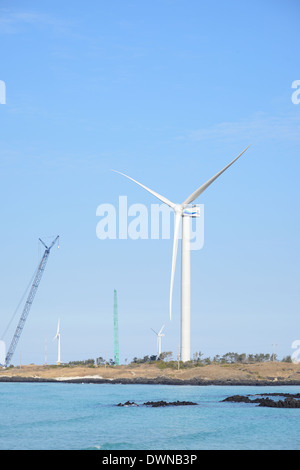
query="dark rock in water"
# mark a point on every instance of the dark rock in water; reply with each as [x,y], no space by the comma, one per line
[156,404]
[238,399]
[289,402]
[128,403]
[286,395]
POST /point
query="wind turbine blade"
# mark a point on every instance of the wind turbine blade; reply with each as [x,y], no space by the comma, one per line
[57,331]
[202,188]
[153,331]
[161,198]
[175,247]
[161,329]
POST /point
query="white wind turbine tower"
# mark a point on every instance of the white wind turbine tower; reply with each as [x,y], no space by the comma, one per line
[159,336]
[182,215]
[58,340]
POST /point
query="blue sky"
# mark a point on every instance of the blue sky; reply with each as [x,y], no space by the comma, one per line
[169,92]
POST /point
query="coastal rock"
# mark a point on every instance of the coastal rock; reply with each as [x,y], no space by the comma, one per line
[161,403]
[285,395]
[238,399]
[128,403]
[287,403]
[290,401]
[156,404]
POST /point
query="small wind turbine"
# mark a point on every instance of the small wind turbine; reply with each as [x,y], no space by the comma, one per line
[183,214]
[58,339]
[159,336]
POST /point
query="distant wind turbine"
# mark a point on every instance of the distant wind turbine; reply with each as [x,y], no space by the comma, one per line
[57,336]
[183,212]
[159,336]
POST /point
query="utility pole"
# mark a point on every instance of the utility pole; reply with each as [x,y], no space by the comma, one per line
[273,356]
[45,351]
[116,330]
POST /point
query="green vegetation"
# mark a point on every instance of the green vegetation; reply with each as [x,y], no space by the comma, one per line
[87,363]
[165,360]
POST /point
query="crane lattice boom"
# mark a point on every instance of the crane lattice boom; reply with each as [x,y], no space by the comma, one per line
[29,302]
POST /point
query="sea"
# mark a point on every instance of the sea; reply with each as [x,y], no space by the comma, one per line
[65,416]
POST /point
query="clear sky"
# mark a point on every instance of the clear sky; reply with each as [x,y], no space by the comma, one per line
[169,92]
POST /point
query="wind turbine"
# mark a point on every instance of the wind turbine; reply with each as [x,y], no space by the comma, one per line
[58,339]
[159,336]
[183,212]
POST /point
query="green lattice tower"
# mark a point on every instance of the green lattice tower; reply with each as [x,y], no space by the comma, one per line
[116,330]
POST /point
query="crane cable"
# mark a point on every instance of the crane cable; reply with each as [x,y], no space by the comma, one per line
[27,289]
[16,311]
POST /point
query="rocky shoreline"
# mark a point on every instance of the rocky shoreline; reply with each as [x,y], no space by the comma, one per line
[151,381]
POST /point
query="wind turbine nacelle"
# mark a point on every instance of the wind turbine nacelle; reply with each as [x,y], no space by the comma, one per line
[192,211]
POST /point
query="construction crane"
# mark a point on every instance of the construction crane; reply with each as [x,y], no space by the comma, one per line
[29,301]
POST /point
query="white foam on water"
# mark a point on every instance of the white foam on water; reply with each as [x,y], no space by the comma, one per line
[79,377]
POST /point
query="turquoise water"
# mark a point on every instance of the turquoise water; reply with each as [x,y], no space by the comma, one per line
[85,416]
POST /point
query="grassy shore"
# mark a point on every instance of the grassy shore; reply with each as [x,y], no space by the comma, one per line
[258,373]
